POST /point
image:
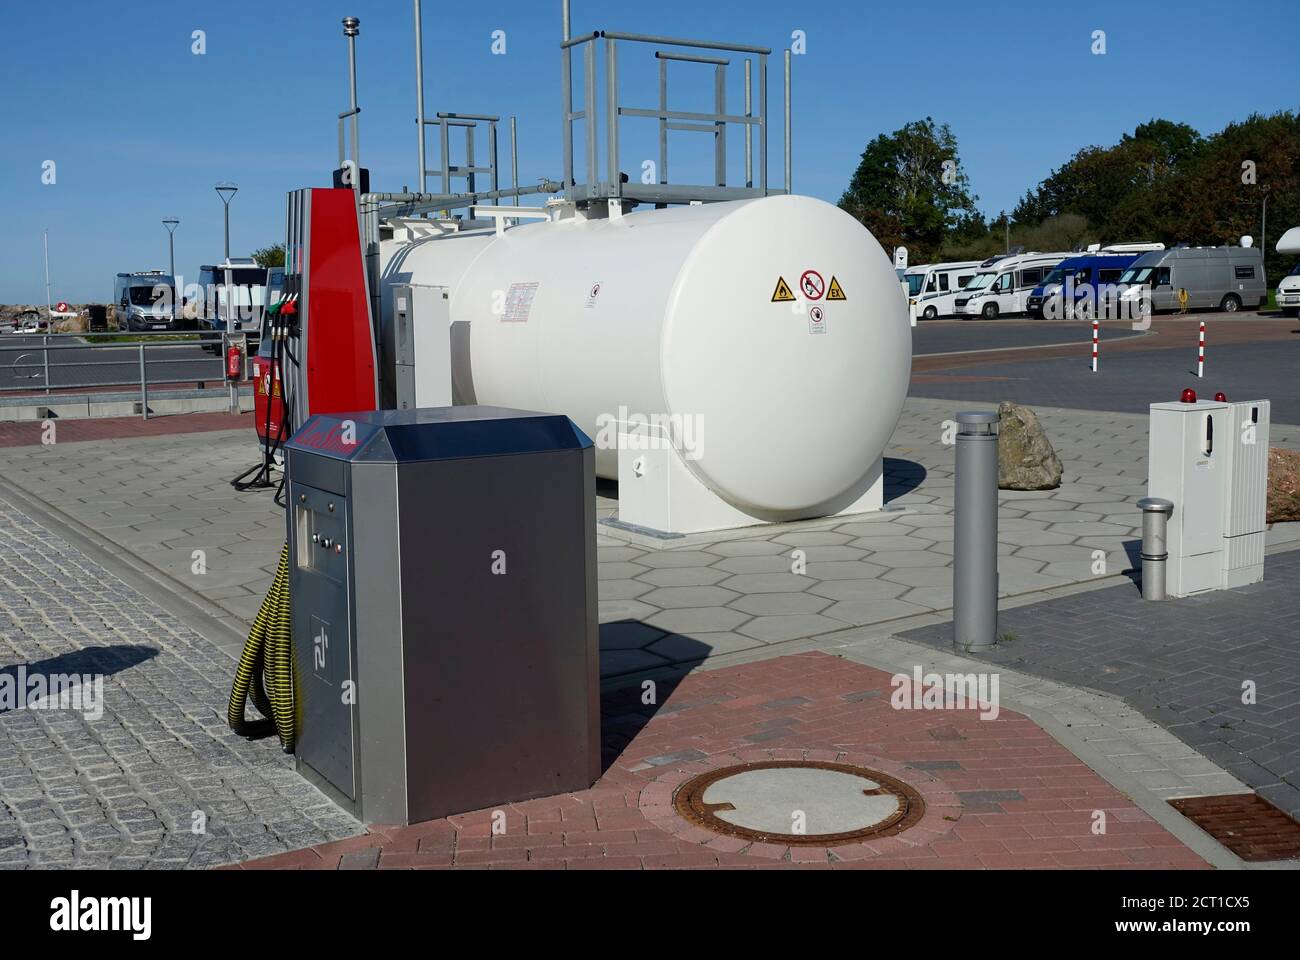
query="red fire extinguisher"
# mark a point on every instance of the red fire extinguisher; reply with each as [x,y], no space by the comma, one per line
[232,362]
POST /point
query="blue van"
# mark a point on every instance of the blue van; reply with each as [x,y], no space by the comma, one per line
[1084,275]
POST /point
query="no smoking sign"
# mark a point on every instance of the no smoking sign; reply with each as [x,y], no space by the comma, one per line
[812,285]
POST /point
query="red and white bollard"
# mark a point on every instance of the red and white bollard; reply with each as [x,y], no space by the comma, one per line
[1096,337]
[1200,353]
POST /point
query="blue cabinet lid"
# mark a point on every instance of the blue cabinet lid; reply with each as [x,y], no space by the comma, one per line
[435,433]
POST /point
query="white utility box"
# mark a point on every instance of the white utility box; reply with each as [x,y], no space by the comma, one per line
[1210,458]
[418,339]
[1187,465]
[1245,506]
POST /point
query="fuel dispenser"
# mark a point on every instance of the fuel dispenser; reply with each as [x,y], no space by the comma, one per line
[445,634]
[1210,459]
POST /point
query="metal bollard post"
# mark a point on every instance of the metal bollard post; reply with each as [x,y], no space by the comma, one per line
[1155,550]
[975,533]
[144,386]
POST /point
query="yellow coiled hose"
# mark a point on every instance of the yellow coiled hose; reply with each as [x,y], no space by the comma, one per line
[265,671]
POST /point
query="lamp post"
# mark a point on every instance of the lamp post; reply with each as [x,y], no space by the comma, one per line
[1263,233]
[225,191]
[171,223]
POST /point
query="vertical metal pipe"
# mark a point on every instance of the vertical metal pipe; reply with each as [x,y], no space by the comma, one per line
[611,116]
[446,160]
[471,181]
[788,176]
[566,96]
[762,123]
[514,157]
[663,121]
[45,351]
[352,92]
[419,95]
[589,71]
[144,384]
[720,128]
[492,156]
[975,533]
[1155,548]
[749,127]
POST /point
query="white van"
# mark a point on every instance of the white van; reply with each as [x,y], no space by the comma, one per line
[932,288]
[1004,283]
[1288,293]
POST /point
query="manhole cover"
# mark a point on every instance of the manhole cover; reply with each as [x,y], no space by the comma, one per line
[800,802]
[1246,824]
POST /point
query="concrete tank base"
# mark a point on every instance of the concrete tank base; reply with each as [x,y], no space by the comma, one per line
[658,494]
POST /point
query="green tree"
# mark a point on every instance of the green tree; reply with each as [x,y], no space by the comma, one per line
[910,189]
[272,256]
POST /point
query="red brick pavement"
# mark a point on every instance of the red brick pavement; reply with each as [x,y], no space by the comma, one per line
[808,706]
[29,432]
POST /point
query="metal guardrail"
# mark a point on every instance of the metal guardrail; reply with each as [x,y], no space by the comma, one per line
[26,374]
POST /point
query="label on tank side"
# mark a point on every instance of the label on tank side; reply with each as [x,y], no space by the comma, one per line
[519,302]
[816,320]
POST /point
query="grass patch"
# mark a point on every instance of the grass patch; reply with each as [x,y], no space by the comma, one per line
[138,338]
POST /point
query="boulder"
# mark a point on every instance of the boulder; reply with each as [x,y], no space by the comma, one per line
[1283,485]
[1026,460]
[72,325]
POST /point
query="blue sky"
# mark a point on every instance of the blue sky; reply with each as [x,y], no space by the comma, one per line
[141,128]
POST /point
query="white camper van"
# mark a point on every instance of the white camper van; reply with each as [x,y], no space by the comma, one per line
[932,288]
[1004,283]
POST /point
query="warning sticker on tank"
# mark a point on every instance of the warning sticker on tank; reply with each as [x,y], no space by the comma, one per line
[782,292]
[519,302]
[816,320]
[812,284]
[836,292]
[592,294]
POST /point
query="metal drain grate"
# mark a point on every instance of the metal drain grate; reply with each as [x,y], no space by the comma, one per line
[1246,824]
[748,799]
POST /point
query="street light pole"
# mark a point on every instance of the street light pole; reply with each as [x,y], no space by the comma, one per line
[225,191]
[171,223]
[1263,235]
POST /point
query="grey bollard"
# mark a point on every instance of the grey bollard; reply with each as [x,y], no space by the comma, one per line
[1155,548]
[975,533]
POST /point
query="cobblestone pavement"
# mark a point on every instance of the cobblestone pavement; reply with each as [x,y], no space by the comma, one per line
[662,603]
[999,793]
[1182,663]
[125,788]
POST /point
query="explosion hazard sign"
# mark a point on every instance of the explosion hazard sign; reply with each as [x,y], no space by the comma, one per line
[782,292]
[836,292]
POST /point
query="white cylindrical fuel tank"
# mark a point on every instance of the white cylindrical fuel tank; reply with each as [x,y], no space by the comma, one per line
[773,329]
